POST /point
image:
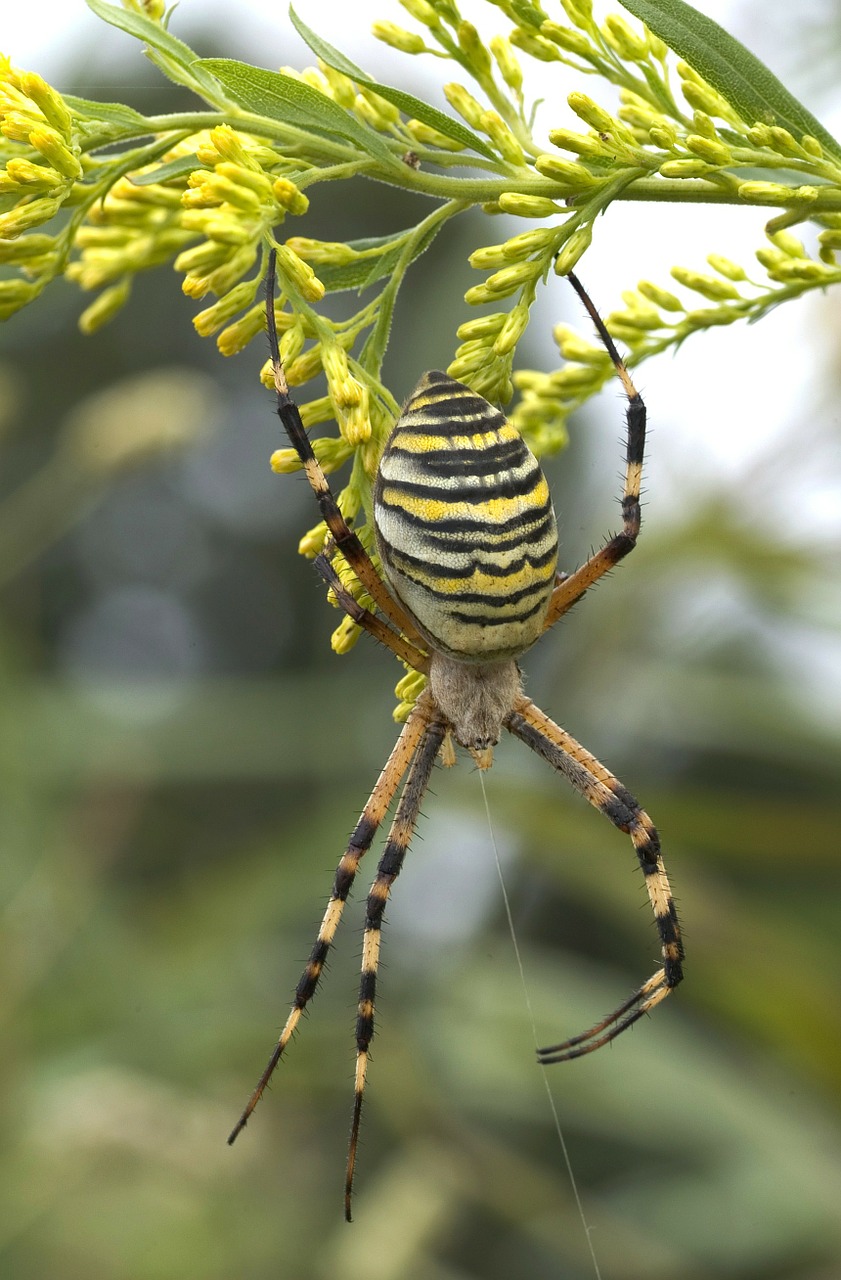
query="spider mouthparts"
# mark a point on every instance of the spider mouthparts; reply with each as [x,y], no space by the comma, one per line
[484,756]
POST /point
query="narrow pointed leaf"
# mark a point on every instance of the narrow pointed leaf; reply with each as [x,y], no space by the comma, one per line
[737,74]
[279,97]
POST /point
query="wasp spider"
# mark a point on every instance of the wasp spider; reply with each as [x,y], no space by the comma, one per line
[468,543]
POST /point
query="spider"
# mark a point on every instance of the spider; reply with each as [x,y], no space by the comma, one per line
[468,543]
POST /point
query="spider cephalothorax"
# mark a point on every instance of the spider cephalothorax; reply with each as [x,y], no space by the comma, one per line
[468,542]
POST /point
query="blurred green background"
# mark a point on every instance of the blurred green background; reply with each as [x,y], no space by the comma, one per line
[181,759]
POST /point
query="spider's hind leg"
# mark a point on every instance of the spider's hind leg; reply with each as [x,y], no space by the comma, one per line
[373,814]
[602,790]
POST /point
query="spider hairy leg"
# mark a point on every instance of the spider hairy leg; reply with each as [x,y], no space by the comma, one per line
[369,621]
[602,790]
[346,540]
[572,588]
[388,870]
[369,822]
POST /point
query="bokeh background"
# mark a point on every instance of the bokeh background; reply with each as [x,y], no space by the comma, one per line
[181,758]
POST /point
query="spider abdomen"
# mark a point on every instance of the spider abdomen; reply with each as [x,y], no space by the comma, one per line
[465,527]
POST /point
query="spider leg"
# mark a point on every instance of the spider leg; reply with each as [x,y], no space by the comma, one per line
[369,621]
[372,815]
[388,870]
[572,588]
[598,786]
[346,540]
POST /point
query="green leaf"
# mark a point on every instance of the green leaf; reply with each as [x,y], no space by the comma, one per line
[279,97]
[406,102]
[115,114]
[176,53]
[361,274]
[731,69]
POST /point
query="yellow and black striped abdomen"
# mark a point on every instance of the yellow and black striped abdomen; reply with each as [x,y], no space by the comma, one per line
[465,527]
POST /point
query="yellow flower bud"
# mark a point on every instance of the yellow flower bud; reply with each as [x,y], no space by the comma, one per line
[509,67]
[572,175]
[398,37]
[724,267]
[492,255]
[464,103]
[506,281]
[591,113]
[624,40]
[708,286]
[575,247]
[429,137]
[484,326]
[566,38]
[237,336]
[709,149]
[300,274]
[684,168]
[660,297]
[289,197]
[776,193]
[54,149]
[48,101]
[527,206]
[105,306]
[531,43]
[512,331]
[502,137]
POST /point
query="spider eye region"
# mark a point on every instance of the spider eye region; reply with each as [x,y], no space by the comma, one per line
[465,527]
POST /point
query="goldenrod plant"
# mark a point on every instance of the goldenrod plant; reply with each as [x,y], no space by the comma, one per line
[98,192]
